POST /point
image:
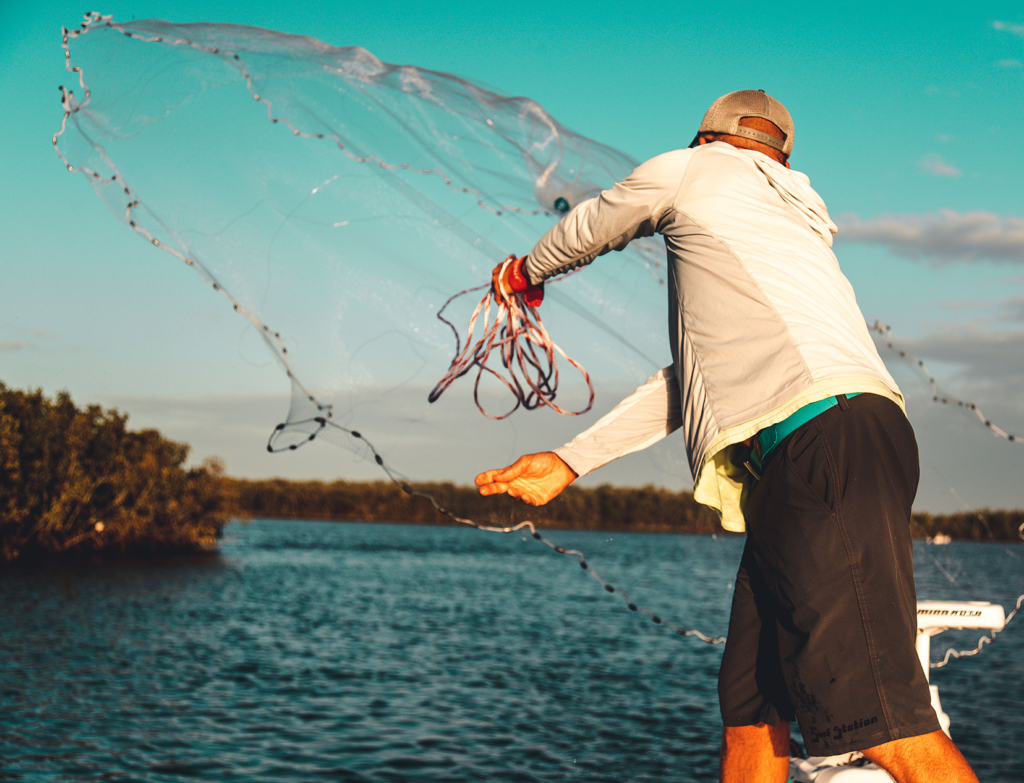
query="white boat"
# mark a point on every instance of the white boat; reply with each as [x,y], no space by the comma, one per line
[939,539]
[933,617]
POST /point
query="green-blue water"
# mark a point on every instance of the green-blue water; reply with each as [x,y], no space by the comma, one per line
[319,651]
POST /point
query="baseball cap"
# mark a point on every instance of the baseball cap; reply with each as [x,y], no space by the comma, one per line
[725,114]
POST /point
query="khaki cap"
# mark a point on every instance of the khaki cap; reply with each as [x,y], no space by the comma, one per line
[725,114]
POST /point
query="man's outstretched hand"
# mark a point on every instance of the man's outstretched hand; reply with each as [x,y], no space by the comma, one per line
[534,478]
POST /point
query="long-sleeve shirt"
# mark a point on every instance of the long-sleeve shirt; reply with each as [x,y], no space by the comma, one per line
[761,319]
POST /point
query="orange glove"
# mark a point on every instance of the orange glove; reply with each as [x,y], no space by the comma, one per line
[508,278]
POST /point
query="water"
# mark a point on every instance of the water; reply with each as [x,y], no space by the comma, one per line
[309,651]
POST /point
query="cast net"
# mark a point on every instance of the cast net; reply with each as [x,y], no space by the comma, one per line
[338,202]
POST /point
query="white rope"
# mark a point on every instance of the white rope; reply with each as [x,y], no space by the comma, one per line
[952,653]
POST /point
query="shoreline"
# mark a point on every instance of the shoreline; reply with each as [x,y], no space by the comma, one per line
[721,532]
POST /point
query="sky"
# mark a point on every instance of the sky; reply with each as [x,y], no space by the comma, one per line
[908,122]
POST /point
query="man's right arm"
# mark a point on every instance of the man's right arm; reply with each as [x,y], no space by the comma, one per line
[649,414]
[641,420]
[629,209]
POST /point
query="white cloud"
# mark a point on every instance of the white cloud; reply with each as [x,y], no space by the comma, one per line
[933,163]
[982,357]
[944,237]
[1013,29]
[1010,63]
[14,345]
[1013,309]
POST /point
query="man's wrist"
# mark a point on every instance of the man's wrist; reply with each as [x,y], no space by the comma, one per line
[517,279]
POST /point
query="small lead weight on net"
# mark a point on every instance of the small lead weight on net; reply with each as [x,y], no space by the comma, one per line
[536,535]
[632,607]
[356,434]
[609,588]
[377,457]
[583,564]
[656,619]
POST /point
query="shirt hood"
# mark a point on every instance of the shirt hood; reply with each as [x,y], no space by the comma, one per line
[795,189]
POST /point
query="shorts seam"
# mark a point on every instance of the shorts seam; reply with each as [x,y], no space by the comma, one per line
[833,467]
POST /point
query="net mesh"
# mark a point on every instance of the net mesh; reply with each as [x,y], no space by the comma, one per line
[338,202]
[347,199]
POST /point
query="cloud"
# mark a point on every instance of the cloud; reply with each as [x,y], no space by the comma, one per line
[1010,63]
[1010,309]
[1013,29]
[1013,309]
[944,237]
[934,164]
[14,345]
[981,357]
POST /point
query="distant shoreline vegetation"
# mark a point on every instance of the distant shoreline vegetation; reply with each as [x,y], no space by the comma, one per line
[638,509]
[76,482]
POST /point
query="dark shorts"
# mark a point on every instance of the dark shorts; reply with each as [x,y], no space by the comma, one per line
[824,615]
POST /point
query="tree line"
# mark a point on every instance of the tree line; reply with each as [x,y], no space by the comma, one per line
[642,509]
[606,507]
[77,481]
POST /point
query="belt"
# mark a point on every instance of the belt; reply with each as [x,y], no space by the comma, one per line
[770,437]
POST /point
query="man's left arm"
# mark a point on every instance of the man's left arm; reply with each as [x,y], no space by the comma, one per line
[629,209]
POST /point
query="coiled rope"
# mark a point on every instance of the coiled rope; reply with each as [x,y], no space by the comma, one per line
[526,350]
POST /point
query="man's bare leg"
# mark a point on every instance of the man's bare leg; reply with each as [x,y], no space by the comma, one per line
[755,754]
[928,757]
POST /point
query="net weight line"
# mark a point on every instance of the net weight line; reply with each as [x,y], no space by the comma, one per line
[96,20]
[404,485]
[988,639]
[886,331]
[323,423]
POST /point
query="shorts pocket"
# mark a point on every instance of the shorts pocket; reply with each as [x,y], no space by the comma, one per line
[805,460]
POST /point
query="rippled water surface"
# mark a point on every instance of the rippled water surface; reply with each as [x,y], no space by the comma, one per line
[308,651]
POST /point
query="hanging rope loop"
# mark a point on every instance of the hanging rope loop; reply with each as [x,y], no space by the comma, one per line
[529,365]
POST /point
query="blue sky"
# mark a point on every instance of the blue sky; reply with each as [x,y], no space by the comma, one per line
[909,124]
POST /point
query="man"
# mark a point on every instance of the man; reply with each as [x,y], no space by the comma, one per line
[794,431]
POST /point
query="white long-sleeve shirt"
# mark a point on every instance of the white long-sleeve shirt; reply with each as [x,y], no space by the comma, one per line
[761,319]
